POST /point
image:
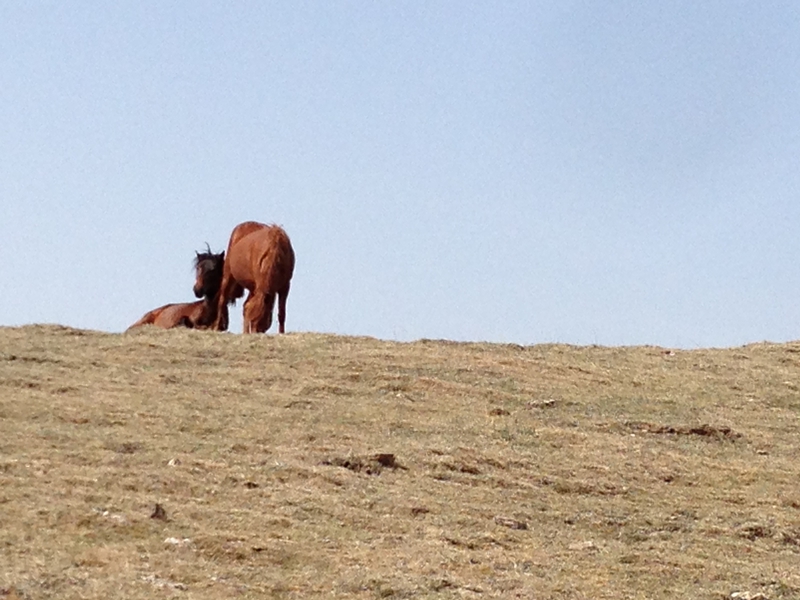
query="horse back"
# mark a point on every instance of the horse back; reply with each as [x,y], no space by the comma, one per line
[265,255]
[148,318]
[171,315]
[152,316]
[243,230]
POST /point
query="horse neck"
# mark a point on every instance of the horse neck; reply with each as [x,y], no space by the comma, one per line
[208,310]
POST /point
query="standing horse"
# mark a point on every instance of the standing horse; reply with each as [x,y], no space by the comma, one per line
[259,258]
[201,314]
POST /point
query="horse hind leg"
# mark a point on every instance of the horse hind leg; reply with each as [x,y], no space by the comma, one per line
[252,312]
[282,296]
[185,322]
[258,312]
[265,322]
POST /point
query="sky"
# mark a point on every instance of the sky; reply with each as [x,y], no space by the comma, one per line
[614,173]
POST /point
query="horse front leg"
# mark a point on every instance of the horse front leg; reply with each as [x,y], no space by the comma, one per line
[221,322]
[226,289]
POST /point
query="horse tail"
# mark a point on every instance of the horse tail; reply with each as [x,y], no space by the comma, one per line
[277,263]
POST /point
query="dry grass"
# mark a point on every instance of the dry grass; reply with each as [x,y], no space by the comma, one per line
[311,465]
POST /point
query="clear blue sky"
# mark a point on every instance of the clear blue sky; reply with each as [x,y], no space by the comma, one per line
[566,171]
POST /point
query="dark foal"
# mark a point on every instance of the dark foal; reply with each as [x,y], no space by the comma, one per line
[198,315]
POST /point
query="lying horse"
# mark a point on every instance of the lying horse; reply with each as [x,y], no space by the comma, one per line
[259,258]
[201,314]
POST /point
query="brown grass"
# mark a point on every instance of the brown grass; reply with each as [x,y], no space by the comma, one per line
[309,465]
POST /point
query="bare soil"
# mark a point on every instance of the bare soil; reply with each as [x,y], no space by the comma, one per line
[191,464]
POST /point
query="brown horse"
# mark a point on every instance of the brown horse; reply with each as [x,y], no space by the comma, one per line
[201,314]
[260,258]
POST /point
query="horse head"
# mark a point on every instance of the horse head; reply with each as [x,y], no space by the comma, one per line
[208,273]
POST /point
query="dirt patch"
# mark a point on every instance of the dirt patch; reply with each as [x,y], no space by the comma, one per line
[370,465]
[704,430]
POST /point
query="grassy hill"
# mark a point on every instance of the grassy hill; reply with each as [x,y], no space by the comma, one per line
[307,465]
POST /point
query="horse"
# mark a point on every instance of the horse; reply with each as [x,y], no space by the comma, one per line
[259,258]
[201,314]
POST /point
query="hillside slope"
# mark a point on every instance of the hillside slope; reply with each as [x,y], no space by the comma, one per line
[308,465]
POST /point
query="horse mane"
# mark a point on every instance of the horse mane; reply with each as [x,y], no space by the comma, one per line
[208,255]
